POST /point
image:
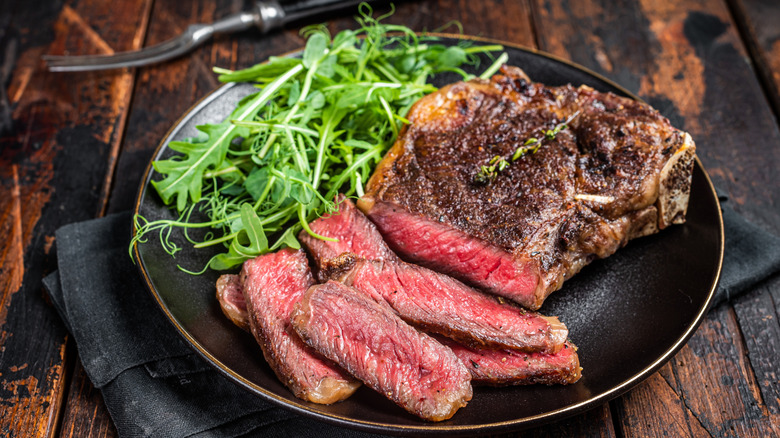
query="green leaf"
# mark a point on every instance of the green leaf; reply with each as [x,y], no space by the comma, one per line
[288,238]
[453,56]
[264,72]
[224,261]
[256,182]
[315,49]
[258,243]
[184,175]
[295,93]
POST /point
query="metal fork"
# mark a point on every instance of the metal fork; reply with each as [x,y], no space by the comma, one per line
[265,15]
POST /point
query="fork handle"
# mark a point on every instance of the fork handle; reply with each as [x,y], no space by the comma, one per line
[268,15]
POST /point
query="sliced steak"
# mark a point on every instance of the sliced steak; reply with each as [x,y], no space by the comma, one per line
[619,170]
[487,366]
[231,300]
[509,367]
[272,284]
[441,304]
[369,340]
[354,233]
[420,296]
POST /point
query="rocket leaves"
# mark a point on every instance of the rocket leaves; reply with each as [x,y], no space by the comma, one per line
[317,127]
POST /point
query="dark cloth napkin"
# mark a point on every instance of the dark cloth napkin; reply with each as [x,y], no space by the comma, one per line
[154,385]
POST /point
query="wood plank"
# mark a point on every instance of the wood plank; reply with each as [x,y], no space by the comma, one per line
[758,20]
[685,57]
[85,413]
[759,319]
[662,412]
[165,91]
[723,395]
[161,94]
[52,166]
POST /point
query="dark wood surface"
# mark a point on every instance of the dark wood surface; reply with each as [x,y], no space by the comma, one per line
[74,146]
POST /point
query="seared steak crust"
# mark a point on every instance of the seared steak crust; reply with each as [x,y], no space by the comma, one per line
[618,171]
[272,284]
[368,339]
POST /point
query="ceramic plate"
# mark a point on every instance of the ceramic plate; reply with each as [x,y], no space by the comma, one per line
[628,314]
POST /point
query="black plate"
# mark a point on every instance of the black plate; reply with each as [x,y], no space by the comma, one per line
[628,314]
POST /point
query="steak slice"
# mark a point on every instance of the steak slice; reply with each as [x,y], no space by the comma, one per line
[369,340]
[273,283]
[510,367]
[441,304]
[619,170]
[231,300]
[353,231]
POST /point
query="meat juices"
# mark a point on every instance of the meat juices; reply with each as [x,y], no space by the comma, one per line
[272,284]
[369,340]
[619,170]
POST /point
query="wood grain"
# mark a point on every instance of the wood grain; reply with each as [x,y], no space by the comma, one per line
[85,414]
[686,58]
[52,166]
[758,20]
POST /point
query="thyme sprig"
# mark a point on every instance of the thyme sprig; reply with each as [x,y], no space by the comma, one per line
[489,172]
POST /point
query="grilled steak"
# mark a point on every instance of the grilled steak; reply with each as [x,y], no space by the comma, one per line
[273,283]
[368,339]
[509,367]
[231,300]
[618,170]
[423,297]
[441,304]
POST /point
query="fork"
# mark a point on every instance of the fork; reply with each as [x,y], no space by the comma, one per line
[265,15]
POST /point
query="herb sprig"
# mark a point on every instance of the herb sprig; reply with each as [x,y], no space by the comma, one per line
[488,173]
[317,127]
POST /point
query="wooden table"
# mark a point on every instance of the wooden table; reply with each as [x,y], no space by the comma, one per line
[80,142]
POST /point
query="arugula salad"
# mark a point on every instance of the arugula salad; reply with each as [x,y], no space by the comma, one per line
[316,126]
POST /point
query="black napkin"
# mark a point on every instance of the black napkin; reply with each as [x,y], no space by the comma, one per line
[154,385]
[751,254]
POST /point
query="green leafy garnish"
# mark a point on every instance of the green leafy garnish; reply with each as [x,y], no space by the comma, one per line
[317,127]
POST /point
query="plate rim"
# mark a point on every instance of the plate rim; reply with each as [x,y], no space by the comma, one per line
[516,424]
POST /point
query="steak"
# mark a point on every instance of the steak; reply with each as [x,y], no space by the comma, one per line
[273,283]
[422,297]
[231,300]
[441,304]
[354,233]
[510,367]
[617,170]
[369,340]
